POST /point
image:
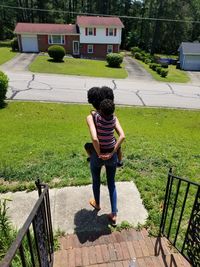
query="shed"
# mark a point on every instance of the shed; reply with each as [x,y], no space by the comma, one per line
[189,56]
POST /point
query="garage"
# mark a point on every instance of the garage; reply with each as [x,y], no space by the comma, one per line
[29,43]
[189,56]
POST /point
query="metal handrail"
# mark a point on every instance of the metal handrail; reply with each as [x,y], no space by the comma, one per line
[190,246]
[40,211]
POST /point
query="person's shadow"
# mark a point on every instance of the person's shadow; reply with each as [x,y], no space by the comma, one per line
[89,226]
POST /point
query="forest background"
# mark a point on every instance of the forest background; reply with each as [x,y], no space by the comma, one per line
[139,18]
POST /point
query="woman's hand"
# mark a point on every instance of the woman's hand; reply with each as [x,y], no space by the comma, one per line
[106,156]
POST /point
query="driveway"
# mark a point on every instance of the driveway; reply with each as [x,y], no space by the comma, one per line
[135,71]
[19,63]
[195,77]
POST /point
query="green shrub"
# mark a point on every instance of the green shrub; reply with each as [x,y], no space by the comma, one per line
[3,87]
[158,70]
[135,49]
[56,52]
[5,43]
[138,56]
[147,61]
[164,73]
[114,60]
[14,44]
[153,66]
[164,65]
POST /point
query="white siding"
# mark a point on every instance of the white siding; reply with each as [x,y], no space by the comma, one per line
[191,62]
[100,37]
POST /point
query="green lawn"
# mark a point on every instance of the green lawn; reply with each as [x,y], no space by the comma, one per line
[174,75]
[46,141]
[76,66]
[6,54]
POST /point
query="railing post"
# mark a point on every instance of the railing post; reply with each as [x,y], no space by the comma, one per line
[165,201]
[39,186]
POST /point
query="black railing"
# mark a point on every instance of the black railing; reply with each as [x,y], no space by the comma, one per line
[34,245]
[180,222]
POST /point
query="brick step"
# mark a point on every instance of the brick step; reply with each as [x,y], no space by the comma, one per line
[144,250]
[63,259]
[98,238]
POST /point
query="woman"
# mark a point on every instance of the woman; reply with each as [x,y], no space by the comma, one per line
[109,159]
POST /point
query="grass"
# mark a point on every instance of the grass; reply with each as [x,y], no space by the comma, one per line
[174,75]
[167,56]
[46,141]
[6,54]
[75,66]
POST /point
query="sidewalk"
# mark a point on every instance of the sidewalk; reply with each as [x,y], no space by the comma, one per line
[71,211]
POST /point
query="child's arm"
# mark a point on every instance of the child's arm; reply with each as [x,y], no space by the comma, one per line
[121,134]
[93,133]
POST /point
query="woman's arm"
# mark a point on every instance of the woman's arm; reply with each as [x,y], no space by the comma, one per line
[93,133]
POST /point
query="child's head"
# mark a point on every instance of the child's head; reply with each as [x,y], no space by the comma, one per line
[107,107]
[96,95]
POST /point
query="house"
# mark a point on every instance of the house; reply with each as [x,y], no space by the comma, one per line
[90,37]
[189,56]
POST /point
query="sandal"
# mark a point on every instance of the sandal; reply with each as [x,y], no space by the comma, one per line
[94,205]
[113,219]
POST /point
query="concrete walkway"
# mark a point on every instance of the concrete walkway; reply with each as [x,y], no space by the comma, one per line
[71,211]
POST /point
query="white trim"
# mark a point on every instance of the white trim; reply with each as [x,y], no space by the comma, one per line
[78,48]
[91,45]
[46,33]
[62,39]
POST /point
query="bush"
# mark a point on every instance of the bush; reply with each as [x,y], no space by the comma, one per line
[135,49]
[14,44]
[164,65]
[138,56]
[147,61]
[114,60]
[3,87]
[153,66]
[5,43]
[163,73]
[158,70]
[56,52]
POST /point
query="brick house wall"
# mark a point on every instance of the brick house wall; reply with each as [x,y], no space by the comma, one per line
[43,44]
[99,50]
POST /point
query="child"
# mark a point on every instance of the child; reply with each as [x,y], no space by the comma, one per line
[104,121]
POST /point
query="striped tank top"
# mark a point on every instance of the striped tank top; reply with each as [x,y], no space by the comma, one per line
[105,132]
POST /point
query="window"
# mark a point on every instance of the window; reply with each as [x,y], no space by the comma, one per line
[90,31]
[56,39]
[90,49]
[111,32]
[109,48]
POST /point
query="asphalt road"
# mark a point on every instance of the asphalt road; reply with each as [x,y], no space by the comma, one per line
[73,89]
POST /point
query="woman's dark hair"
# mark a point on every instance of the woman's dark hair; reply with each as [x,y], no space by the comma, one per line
[107,107]
[96,95]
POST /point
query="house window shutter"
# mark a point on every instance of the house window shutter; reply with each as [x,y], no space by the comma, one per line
[115,32]
[106,31]
[94,31]
[86,31]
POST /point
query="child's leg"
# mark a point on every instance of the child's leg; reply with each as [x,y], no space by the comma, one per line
[89,149]
[119,156]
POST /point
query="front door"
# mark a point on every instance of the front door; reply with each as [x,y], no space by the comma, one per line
[75,47]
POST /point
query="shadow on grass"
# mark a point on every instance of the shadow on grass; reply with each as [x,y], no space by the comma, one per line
[3,105]
[113,67]
[89,226]
[55,61]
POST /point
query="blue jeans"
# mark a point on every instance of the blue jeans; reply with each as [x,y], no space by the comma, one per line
[110,165]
